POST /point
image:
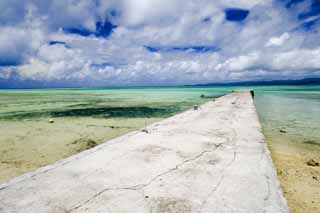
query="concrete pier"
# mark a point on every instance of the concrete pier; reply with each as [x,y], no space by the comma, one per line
[213,159]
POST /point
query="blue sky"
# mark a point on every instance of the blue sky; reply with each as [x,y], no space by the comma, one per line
[156,42]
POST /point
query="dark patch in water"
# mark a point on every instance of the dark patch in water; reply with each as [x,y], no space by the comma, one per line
[84,143]
[283,131]
[23,116]
[315,97]
[112,127]
[130,112]
[210,96]
[312,142]
[100,112]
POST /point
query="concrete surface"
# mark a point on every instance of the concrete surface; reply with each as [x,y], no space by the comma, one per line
[214,159]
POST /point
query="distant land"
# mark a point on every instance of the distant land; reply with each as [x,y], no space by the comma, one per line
[31,84]
[305,81]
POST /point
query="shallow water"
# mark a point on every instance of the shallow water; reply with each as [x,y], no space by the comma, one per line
[104,103]
[82,117]
[290,117]
[294,110]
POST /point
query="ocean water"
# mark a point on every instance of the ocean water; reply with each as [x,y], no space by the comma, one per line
[103,103]
[293,109]
[83,118]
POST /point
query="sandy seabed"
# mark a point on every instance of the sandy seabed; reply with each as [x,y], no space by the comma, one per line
[300,182]
[29,144]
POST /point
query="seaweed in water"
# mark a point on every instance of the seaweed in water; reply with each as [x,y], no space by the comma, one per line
[84,144]
[100,112]
[312,142]
[130,112]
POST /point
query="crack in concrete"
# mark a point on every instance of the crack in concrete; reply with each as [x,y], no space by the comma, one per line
[142,186]
[269,191]
[267,178]
[179,165]
[219,183]
[232,141]
[134,188]
[205,201]
[266,198]
[4,188]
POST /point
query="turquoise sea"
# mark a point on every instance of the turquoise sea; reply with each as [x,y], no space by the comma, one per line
[295,109]
[82,118]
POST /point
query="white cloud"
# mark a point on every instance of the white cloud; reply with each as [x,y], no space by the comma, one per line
[299,59]
[265,45]
[16,43]
[240,63]
[138,12]
[278,41]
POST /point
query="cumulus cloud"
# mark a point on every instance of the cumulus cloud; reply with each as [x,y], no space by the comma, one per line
[240,63]
[17,43]
[278,41]
[143,42]
[299,59]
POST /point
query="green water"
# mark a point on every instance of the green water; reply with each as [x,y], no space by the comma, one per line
[101,103]
[295,109]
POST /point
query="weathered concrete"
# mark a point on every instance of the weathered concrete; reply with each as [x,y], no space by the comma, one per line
[214,159]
